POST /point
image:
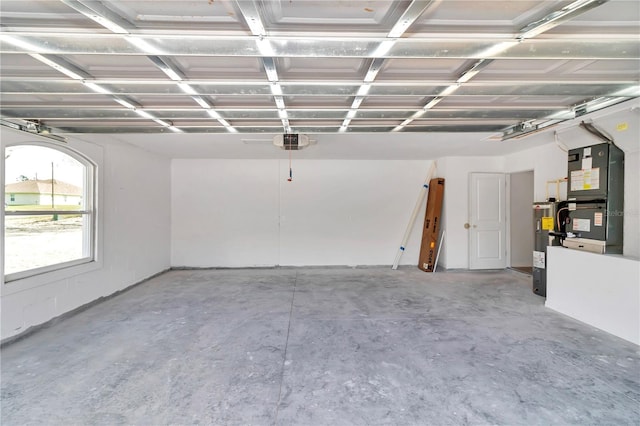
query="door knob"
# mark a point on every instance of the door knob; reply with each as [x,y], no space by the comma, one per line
[467,226]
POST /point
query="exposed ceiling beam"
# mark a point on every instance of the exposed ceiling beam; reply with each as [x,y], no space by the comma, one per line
[251,14]
[257,114]
[531,30]
[106,17]
[623,47]
[311,89]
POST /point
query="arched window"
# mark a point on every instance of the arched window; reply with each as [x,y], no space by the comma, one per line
[49,207]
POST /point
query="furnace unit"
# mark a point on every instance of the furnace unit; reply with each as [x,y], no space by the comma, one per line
[593,216]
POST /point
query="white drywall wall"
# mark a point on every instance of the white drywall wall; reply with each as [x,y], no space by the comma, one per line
[224,213]
[521,218]
[579,285]
[350,212]
[134,238]
[455,171]
[335,212]
[548,162]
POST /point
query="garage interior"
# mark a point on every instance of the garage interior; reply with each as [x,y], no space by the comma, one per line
[255,165]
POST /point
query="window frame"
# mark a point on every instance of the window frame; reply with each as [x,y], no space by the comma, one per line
[89,213]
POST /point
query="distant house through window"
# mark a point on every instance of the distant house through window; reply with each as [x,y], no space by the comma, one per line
[49,209]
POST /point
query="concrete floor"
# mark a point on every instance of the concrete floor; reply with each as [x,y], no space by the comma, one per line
[319,346]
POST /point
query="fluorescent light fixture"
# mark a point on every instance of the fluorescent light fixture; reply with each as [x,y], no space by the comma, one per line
[96,88]
[449,90]
[124,103]
[264,47]
[346,122]
[279,102]
[144,114]
[276,89]
[352,113]
[282,113]
[285,122]
[224,122]
[22,44]
[214,114]
[495,50]
[287,129]
[343,128]
[407,121]
[187,89]
[383,48]
[201,102]
[143,45]
[175,129]
[363,90]
[397,128]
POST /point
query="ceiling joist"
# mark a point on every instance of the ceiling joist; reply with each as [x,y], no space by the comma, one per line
[331,66]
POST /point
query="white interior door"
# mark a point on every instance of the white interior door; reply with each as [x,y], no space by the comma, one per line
[487,230]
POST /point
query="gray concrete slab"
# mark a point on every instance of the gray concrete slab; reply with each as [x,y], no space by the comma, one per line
[322,346]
